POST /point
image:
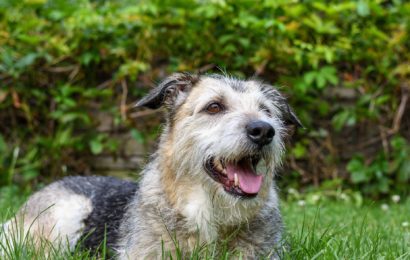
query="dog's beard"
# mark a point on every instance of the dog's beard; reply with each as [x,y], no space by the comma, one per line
[226,208]
[231,209]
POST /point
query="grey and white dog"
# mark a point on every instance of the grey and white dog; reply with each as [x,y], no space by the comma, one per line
[211,179]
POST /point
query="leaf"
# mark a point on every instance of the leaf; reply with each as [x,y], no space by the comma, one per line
[330,73]
[35,2]
[55,15]
[96,146]
[355,164]
[26,60]
[357,170]
[383,185]
[131,69]
[404,171]
[29,175]
[69,117]
[398,142]
[358,176]
[137,135]
[382,99]
[310,77]
[340,119]
[320,81]
[63,137]
[363,8]
[299,151]
[3,145]
[86,58]
[301,86]
[244,42]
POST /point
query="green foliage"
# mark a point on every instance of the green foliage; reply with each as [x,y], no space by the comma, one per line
[61,62]
[383,175]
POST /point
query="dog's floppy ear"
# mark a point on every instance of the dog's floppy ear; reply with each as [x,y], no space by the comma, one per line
[288,115]
[169,91]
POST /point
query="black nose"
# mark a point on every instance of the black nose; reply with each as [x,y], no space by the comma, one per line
[260,132]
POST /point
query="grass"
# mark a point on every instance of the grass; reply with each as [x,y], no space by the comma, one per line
[337,230]
[331,230]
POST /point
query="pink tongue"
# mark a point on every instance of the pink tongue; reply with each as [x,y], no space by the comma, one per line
[249,182]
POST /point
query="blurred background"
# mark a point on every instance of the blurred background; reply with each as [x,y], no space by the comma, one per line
[70,71]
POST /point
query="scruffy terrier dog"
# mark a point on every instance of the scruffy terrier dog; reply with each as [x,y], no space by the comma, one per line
[212,178]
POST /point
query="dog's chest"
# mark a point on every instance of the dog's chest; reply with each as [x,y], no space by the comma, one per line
[196,207]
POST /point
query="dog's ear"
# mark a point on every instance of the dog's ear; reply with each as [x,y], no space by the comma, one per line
[170,91]
[288,115]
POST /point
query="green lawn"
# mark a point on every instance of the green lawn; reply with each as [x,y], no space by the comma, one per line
[331,230]
[336,230]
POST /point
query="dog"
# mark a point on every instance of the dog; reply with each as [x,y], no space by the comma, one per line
[211,179]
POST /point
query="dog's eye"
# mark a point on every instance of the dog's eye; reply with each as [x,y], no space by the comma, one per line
[266,110]
[214,108]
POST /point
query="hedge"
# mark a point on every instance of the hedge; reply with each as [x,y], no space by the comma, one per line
[343,64]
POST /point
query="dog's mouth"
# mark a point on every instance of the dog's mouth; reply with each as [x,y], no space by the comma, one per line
[237,178]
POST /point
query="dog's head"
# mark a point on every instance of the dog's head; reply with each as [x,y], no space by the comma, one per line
[223,133]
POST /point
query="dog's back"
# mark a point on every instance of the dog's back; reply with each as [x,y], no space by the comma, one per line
[73,209]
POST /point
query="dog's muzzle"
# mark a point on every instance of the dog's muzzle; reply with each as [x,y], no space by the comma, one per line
[237,178]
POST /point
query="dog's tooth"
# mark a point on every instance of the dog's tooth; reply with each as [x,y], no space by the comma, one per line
[224,171]
[236,180]
[218,163]
[218,166]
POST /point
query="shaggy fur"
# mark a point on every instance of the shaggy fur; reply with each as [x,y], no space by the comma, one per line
[177,200]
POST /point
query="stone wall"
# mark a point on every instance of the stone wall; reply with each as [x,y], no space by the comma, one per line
[131,155]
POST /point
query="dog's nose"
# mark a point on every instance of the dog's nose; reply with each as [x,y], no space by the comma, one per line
[260,132]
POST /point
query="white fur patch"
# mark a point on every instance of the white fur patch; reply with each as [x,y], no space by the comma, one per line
[54,214]
[69,215]
[198,212]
